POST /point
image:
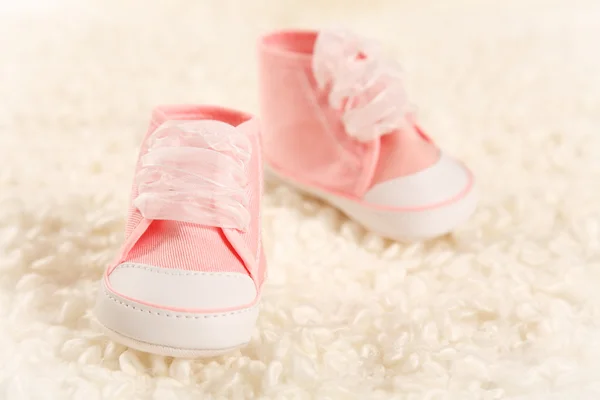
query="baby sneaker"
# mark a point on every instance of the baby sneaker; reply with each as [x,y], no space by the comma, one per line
[189,275]
[336,123]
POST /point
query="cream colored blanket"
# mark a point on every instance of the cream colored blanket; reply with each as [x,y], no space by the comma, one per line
[508,307]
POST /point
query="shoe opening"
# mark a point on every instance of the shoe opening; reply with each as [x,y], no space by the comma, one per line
[199,112]
[298,43]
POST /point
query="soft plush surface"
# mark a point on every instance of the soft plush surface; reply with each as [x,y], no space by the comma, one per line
[506,307]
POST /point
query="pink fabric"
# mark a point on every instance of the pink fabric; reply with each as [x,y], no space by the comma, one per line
[194,247]
[304,138]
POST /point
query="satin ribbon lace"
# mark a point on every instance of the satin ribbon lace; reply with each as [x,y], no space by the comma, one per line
[363,85]
[195,171]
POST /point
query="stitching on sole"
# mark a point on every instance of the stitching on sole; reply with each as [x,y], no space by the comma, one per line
[162,271]
[170,315]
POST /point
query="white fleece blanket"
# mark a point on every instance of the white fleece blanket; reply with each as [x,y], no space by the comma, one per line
[507,307]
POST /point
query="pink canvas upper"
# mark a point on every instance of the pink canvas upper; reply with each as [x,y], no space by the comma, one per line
[334,113]
[195,203]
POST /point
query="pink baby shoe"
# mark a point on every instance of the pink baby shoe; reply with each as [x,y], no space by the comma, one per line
[336,123]
[188,278]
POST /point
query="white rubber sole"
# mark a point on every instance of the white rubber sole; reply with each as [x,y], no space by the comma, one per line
[396,225]
[173,334]
[164,350]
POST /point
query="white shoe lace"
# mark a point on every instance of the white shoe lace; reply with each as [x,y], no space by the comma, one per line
[195,171]
[362,84]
